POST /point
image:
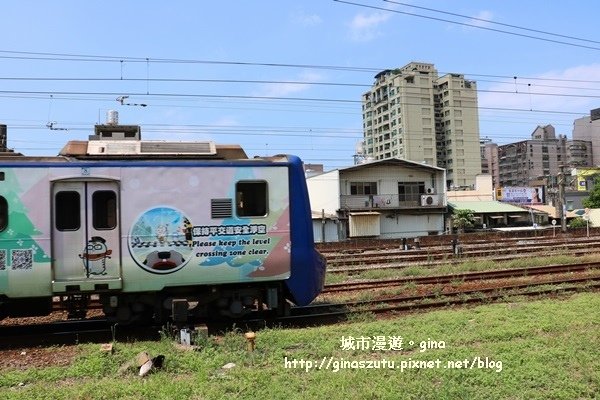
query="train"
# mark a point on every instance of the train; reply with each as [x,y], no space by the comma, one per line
[154,230]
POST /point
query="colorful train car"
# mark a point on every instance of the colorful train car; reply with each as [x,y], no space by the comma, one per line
[140,226]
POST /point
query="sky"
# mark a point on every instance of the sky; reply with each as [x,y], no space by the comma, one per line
[283,76]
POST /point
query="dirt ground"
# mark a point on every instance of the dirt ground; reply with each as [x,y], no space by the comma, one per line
[37,357]
[28,357]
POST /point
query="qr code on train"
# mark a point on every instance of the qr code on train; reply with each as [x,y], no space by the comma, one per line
[2,259]
[22,259]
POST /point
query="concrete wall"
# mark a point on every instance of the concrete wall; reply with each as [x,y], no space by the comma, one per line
[324,192]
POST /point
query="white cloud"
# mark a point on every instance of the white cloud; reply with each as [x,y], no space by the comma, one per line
[555,97]
[286,89]
[226,121]
[482,15]
[549,91]
[365,27]
[307,20]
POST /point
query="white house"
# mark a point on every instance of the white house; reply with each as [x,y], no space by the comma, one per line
[390,198]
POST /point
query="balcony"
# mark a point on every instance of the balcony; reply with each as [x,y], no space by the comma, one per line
[391,201]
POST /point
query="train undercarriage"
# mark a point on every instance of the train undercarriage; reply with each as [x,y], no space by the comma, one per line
[172,304]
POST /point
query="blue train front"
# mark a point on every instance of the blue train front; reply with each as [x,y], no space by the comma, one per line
[145,225]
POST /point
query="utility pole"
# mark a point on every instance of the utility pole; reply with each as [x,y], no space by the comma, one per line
[562,211]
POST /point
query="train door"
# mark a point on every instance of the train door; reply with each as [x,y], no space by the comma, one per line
[85,236]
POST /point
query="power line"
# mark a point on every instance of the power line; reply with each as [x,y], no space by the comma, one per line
[492,22]
[184,80]
[300,99]
[278,82]
[247,63]
[469,25]
[28,55]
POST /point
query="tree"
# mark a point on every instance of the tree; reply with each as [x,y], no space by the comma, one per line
[578,223]
[593,200]
[462,219]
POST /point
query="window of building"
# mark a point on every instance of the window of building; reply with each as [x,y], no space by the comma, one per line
[67,205]
[410,191]
[251,198]
[359,188]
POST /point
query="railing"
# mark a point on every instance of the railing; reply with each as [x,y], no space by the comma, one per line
[390,201]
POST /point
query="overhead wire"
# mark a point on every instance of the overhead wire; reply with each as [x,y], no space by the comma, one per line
[491,22]
[230,98]
[469,25]
[296,82]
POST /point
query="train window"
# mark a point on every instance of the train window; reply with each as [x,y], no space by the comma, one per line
[67,211]
[104,209]
[251,199]
[3,213]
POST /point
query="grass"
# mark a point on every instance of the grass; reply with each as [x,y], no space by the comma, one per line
[545,349]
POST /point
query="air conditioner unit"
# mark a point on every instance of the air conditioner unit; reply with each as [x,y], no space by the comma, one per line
[429,200]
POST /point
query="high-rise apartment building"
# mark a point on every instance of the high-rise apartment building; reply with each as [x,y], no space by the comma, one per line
[489,161]
[411,113]
[530,162]
[588,129]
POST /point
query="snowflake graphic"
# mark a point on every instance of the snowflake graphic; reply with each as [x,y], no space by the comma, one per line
[20,242]
[288,247]
[10,232]
[34,248]
[260,267]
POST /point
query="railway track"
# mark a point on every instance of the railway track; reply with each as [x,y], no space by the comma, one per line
[444,241]
[79,330]
[394,259]
[100,330]
[97,330]
[462,277]
[328,311]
